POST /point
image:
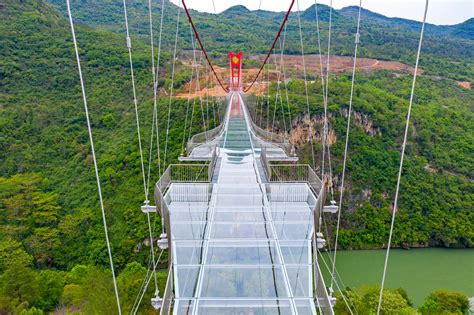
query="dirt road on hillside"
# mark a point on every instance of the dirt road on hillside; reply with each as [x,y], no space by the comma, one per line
[293,68]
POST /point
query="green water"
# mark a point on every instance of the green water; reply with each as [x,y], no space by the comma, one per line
[418,271]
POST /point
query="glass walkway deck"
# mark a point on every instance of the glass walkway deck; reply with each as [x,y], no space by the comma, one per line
[242,243]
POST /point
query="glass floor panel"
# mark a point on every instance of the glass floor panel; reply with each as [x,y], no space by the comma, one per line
[244,282]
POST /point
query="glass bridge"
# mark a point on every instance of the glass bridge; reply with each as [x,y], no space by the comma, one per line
[241,230]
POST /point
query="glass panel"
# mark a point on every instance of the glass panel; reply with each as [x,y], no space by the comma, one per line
[188,206]
[241,200]
[244,307]
[239,216]
[253,253]
[188,231]
[285,206]
[305,307]
[187,253]
[300,280]
[190,215]
[292,215]
[294,231]
[241,230]
[241,282]
[295,252]
[183,306]
[187,281]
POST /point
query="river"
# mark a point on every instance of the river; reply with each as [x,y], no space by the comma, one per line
[418,271]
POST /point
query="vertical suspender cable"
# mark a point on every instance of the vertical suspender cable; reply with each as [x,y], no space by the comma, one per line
[326,94]
[155,86]
[155,116]
[324,98]
[284,82]
[197,89]
[172,86]
[407,124]
[91,139]
[135,102]
[349,113]
[279,76]
[305,82]
[193,65]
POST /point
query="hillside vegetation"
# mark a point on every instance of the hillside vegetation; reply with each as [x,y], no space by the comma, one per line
[448,51]
[51,239]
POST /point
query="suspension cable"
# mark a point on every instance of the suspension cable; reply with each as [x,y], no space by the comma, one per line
[91,139]
[305,82]
[357,37]
[155,86]
[135,310]
[279,75]
[193,64]
[203,49]
[326,144]
[154,116]
[337,285]
[135,101]
[284,81]
[323,88]
[395,205]
[198,88]
[271,49]
[171,87]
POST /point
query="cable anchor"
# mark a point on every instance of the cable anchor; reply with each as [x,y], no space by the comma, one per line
[163,241]
[156,301]
[147,208]
[332,208]
[320,241]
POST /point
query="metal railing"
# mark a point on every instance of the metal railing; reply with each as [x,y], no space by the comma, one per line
[320,291]
[178,173]
[212,164]
[168,295]
[181,173]
[276,139]
[203,137]
[189,173]
[292,173]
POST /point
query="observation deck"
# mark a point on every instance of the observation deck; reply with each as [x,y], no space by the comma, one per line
[241,231]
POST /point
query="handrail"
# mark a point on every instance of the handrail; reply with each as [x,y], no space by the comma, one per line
[168,294]
[319,288]
[212,164]
[203,137]
[295,173]
[265,163]
[277,139]
[177,173]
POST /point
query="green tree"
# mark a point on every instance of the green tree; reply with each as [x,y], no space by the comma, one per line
[18,288]
[50,289]
[444,302]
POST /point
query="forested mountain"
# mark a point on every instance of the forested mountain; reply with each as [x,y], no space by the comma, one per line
[51,237]
[383,38]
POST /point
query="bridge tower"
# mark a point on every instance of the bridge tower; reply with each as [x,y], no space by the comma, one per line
[235,70]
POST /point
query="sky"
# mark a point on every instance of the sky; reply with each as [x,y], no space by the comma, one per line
[441,12]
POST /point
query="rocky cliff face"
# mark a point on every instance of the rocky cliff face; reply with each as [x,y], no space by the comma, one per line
[304,126]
